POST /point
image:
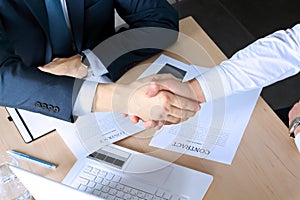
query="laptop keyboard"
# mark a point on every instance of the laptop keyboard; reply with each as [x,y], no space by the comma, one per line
[112,186]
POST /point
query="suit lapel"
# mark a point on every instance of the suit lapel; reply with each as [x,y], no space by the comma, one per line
[76,14]
[39,11]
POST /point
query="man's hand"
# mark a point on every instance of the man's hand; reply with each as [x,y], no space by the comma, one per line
[132,99]
[190,90]
[295,112]
[71,66]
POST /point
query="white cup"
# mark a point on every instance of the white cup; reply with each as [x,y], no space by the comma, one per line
[10,186]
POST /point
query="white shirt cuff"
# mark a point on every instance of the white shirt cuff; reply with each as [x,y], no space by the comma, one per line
[297,141]
[213,84]
[84,101]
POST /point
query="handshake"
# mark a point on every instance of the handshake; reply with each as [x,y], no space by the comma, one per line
[156,100]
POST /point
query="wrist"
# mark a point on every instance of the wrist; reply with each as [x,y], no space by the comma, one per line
[82,71]
[76,68]
[103,98]
[197,89]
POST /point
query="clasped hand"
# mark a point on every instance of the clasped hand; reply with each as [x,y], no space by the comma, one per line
[156,100]
[154,103]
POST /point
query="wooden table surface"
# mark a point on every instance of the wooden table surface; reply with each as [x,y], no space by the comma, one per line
[266,165]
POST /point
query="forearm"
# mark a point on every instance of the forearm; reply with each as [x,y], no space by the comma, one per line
[30,89]
[103,99]
[262,63]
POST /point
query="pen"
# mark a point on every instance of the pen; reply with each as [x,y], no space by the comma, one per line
[32,159]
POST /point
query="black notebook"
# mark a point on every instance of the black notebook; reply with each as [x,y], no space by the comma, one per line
[30,125]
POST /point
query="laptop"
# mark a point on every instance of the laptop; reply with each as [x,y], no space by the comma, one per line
[115,172]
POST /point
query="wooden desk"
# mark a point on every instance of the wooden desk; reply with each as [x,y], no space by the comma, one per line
[266,165]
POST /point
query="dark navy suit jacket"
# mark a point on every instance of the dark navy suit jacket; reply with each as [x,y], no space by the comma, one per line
[24,39]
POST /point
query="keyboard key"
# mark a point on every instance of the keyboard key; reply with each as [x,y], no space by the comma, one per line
[127,197]
[116,179]
[91,184]
[97,192]
[112,191]
[120,194]
[98,180]
[110,197]
[87,176]
[105,189]
[157,198]
[88,168]
[98,186]
[112,184]
[134,192]
[148,196]
[138,185]
[82,181]
[104,195]
[167,195]
[127,189]
[119,187]
[109,176]
[95,171]
[141,194]
[102,173]
[89,190]
[82,188]
[105,182]
[159,193]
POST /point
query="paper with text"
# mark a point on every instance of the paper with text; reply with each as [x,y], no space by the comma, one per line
[215,132]
[94,131]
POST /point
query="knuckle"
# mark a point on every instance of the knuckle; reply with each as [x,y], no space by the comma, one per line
[165,99]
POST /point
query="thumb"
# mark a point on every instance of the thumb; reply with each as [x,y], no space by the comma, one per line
[42,68]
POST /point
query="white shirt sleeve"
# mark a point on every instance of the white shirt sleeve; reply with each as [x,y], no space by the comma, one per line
[84,100]
[297,142]
[97,74]
[262,63]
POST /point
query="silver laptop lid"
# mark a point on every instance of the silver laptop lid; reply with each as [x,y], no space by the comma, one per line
[42,188]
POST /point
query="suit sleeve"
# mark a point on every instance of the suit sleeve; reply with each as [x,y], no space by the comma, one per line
[153,26]
[26,87]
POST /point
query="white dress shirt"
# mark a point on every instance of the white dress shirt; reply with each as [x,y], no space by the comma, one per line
[262,63]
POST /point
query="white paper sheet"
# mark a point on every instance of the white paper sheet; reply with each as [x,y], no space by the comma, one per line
[94,131]
[100,129]
[216,130]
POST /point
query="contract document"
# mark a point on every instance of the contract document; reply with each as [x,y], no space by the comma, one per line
[215,132]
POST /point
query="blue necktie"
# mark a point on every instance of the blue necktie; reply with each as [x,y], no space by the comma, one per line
[60,34]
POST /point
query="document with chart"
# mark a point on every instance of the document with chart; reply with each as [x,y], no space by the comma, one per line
[215,132]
